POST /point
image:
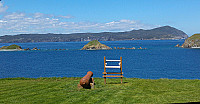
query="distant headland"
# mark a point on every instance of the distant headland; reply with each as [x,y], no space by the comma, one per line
[160,33]
[192,42]
[13,47]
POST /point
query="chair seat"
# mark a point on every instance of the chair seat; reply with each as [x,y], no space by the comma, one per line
[112,75]
[112,66]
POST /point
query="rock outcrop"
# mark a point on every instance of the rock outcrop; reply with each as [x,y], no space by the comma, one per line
[177,45]
[192,42]
[95,45]
[35,48]
[124,48]
[26,49]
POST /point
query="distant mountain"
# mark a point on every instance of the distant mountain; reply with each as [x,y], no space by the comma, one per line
[162,33]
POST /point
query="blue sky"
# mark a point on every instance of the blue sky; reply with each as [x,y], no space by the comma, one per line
[71,16]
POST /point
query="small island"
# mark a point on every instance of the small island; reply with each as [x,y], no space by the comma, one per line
[192,42]
[13,47]
[95,45]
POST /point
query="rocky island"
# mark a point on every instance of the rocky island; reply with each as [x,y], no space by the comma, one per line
[95,45]
[13,47]
[192,42]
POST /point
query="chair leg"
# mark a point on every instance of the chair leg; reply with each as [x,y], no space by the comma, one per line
[104,80]
[121,79]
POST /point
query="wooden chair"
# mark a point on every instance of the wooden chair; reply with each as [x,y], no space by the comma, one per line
[119,66]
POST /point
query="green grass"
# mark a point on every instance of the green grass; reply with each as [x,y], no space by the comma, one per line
[94,42]
[65,91]
[195,36]
[14,46]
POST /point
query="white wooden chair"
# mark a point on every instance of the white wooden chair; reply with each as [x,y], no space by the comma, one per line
[119,66]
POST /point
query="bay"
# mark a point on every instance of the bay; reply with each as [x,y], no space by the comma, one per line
[160,60]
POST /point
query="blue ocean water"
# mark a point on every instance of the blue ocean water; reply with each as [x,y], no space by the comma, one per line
[160,60]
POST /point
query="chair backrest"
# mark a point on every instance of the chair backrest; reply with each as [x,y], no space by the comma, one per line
[116,66]
[119,66]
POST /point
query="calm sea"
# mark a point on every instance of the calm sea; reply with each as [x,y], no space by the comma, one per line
[160,60]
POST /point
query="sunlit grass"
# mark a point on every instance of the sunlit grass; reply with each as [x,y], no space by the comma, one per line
[132,90]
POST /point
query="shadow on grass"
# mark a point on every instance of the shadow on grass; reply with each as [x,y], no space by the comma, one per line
[117,83]
[187,103]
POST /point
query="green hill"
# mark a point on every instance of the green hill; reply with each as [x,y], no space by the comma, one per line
[95,45]
[192,42]
[14,46]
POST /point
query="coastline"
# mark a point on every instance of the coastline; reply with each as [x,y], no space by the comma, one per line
[196,47]
[10,50]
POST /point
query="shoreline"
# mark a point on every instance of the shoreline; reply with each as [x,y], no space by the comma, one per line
[10,50]
[196,47]
[28,78]
[91,40]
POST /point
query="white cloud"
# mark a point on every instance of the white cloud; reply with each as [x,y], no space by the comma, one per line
[38,15]
[66,16]
[14,16]
[19,23]
[3,8]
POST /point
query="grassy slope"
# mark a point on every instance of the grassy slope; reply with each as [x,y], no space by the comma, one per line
[11,47]
[195,36]
[94,42]
[192,41]
[64,90]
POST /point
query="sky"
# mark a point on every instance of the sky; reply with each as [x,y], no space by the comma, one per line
[75,16]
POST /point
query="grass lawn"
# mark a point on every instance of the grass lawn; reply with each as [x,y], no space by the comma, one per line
[64,90]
